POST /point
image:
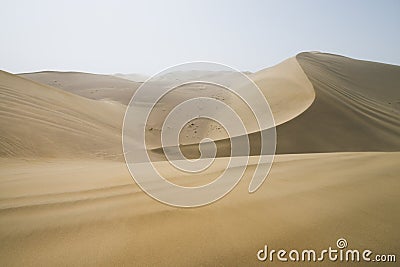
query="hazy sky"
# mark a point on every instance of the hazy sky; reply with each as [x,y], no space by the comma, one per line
[148,36]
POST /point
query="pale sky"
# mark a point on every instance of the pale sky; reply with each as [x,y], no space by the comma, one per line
[148,36]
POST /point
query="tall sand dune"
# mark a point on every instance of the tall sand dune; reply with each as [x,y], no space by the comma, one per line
[286,88]
[328,103]
[356,108]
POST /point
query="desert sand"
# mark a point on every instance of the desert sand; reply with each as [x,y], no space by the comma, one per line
[42,121]
[92,86]
[67,198]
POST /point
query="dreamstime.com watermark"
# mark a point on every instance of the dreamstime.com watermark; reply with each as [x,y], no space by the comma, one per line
[235,121]
[339,253]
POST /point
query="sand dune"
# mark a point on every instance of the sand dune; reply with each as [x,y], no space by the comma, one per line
[287,89]
[350,105]
[67,198]
[42,121]
[356,108]
[285,86]
[132,77]
[320,102]
[92,86]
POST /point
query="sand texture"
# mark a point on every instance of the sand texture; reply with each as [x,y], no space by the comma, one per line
[67,197]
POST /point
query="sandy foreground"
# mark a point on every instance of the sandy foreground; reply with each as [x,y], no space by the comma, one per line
[67,197]
[70,212]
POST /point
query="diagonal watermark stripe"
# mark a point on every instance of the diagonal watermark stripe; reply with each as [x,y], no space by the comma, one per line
[224,112]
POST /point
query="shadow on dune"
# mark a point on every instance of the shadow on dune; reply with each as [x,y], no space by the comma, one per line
[356,109]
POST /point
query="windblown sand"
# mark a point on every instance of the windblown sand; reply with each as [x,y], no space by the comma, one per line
[67,198]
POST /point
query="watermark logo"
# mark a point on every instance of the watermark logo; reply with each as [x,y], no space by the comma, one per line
[341,253]
[188,114]
[341,243]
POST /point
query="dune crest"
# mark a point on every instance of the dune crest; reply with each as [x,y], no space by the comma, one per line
[356,107]
[287,89]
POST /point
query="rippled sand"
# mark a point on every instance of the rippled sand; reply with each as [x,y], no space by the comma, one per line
[67,198]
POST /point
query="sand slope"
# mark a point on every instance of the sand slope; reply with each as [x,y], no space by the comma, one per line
[41,121]
[93,86]
[356,105]
[287,89]
[90,213]
[285,86]
[356,108]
